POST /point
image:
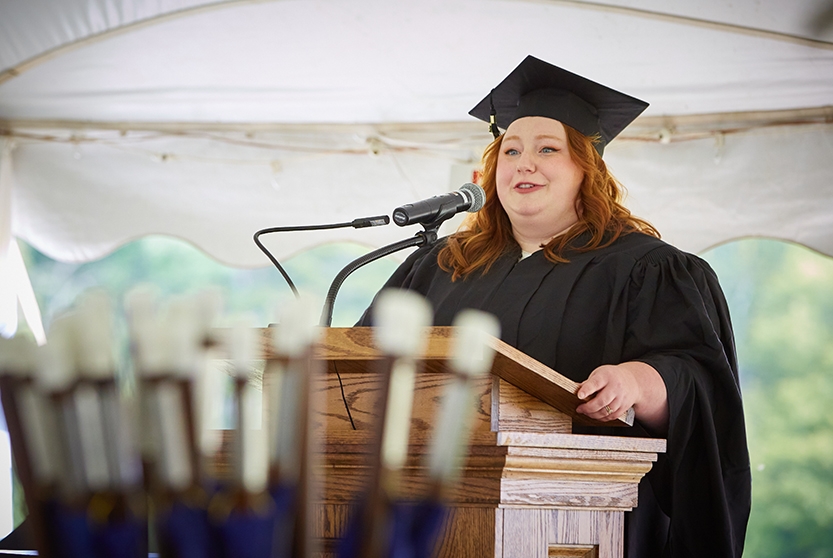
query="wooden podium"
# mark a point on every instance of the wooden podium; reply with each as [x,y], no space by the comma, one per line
[529,489]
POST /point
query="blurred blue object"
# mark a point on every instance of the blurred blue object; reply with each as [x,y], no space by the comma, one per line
[413,530]
[184,532]
[247,534]
[120,539]
[284,499]
[416,528]
[70,534]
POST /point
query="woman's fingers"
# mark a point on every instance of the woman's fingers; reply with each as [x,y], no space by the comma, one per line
[608,392]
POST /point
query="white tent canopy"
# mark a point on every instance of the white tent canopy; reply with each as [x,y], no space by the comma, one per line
[208,120]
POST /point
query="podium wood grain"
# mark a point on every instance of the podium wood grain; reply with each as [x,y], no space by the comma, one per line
[528,488]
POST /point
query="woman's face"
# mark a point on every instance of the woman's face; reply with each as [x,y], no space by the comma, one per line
[537,180]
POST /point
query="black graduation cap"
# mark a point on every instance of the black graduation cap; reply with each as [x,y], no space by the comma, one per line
[537,88]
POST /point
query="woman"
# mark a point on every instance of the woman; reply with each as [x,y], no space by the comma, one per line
[581,285]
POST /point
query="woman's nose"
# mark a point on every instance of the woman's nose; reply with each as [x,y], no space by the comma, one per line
[526,162]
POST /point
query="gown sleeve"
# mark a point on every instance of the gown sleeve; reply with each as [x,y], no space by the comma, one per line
[679,324]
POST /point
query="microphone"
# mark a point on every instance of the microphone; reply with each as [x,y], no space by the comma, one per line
[470,197]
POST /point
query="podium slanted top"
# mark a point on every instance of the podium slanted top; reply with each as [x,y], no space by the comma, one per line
[352,348]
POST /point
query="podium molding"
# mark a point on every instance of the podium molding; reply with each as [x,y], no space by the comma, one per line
[529,487]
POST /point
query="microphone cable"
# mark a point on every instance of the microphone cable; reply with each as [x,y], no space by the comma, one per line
[359,223]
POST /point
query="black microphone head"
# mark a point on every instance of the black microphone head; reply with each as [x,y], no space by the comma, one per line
[478,196]
[434,210]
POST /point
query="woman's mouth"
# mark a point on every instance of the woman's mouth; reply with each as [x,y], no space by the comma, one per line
[527,186]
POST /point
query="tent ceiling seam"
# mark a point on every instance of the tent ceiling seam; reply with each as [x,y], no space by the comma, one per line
[708,122]
[28,64]
[693,21]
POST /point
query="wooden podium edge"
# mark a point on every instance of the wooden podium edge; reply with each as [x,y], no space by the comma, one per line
[541,381]
[535,378]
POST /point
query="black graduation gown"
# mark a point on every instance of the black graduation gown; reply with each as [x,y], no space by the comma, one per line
[638,299]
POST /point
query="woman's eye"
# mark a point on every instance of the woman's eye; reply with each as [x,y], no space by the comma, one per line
[548,150]
[511,151]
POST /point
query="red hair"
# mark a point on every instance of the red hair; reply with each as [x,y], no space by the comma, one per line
[485,235]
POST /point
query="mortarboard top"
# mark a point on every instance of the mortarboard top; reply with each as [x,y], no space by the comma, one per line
[537,88]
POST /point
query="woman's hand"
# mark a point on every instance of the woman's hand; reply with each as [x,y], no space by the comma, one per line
[610,390]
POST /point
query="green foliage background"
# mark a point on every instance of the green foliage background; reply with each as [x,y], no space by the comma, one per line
[780,296]
[174,267]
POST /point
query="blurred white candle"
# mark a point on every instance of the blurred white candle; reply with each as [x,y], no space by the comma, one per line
[18,357]
[255,456]
[242,344]
[92,328]
[175,341]
[472,356]
[285,401]
[56,376]
[401,318]
[175,462]
[208,381]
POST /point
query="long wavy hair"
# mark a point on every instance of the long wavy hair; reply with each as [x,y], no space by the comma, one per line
[486,235]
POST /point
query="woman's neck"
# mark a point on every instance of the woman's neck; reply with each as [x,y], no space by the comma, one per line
[532,240]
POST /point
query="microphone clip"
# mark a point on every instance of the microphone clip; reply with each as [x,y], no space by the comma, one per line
[429,235]
[446,212]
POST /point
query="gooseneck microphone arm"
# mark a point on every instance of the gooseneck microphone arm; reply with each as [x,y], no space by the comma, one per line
[422,238]
[430,213]
[359,223]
